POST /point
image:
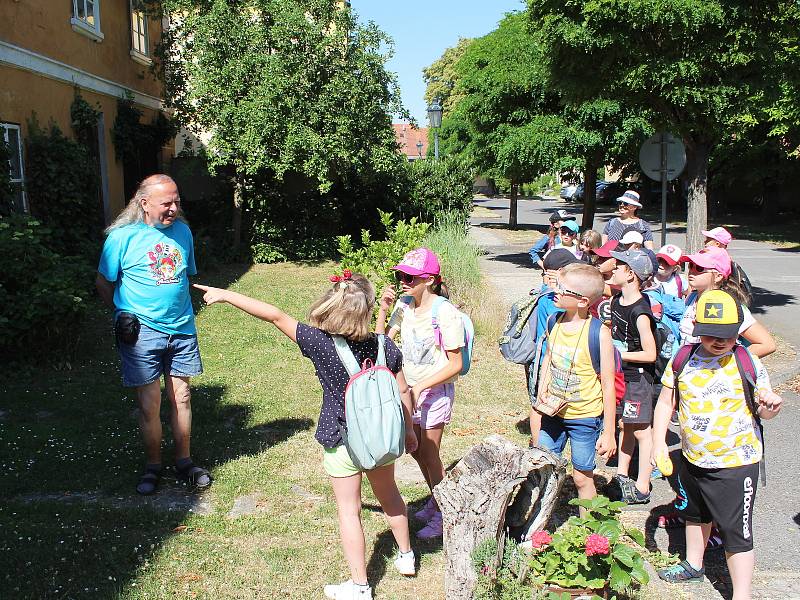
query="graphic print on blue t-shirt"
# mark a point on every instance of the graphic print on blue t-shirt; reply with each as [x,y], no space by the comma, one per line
[150,269]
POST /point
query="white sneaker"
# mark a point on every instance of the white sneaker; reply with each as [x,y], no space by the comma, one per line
[405,563]
[348,591]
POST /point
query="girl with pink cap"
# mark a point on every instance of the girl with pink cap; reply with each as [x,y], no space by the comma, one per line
[432,361]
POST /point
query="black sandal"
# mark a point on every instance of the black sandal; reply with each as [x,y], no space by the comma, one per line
[195,476]
[148,483]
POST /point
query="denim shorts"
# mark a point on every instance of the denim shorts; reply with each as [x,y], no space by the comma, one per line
[156,353]
[581,433]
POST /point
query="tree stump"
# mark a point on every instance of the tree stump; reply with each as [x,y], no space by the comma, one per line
[497,489]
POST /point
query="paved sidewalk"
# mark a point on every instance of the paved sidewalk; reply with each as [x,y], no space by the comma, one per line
[777,511]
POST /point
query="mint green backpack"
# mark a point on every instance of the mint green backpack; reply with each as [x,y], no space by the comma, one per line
[376,431]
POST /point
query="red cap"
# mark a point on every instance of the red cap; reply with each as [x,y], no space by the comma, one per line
[605,249]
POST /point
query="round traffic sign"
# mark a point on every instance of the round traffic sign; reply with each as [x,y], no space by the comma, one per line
[662,152]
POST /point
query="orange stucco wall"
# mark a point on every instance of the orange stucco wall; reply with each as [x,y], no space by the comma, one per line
[43,26]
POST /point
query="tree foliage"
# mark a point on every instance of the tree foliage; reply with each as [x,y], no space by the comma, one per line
[441,77]
[513,121]
[282,86]
[705,69]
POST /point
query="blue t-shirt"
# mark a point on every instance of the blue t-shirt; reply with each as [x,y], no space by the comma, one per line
[151,269]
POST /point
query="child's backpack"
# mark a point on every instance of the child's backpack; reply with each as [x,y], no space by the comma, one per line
[594,352]
[375,432]
[666,330]
[741,278]
[469,333]
[518,342]
[747,371]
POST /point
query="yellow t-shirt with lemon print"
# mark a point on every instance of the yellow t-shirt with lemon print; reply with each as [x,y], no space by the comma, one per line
[572,376]
[717,427]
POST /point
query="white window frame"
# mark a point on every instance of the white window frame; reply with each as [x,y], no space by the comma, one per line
[6,127]
[83,26]
[138,53]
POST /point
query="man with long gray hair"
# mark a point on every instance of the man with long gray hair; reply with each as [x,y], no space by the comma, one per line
[144,276]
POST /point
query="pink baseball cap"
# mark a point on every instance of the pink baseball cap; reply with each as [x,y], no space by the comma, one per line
[420,261]
[720,234]
[711,258]
[670,253]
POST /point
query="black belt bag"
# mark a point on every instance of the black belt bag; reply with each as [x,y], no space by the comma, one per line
[126,328]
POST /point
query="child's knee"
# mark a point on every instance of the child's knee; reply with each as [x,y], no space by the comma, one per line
[582,479]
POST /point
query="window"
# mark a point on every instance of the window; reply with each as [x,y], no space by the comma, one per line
[140,47]
[86,18]
[12,138]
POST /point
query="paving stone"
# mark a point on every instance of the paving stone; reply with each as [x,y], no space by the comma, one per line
[406,470]
[244,505]
[307,495]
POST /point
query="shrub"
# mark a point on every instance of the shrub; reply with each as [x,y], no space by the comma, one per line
[436,188]
[43,294]
[375,258]
[458,256]
[62,190]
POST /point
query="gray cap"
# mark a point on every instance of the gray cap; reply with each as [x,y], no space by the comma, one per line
[638,261]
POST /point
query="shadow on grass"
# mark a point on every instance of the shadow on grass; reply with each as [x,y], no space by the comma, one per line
[71,524]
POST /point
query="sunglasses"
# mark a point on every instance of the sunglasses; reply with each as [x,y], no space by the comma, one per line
[567,231]
[404,277]
[625,204]
[696,268]
[562,291]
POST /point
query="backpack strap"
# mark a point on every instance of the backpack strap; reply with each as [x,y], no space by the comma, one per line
[551,322]
[437,333]
[381,351]
[680,285]
[346,355]
[594,343]
[747,371]
[679,361]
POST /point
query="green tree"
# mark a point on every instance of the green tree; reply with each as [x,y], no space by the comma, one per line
[512,121]
[293,92]
[706,69]
[441,77]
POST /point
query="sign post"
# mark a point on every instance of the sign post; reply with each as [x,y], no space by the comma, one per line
[662,158]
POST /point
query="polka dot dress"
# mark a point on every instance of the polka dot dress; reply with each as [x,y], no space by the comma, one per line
[318,346]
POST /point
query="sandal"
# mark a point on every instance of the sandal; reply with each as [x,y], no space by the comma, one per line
[148,482]
[683,572]
[195,476]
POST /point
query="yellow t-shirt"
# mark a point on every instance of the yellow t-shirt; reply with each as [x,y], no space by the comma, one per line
[422,357]
[572,376]
[717,427]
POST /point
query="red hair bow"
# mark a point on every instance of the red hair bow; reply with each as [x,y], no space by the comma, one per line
[346,275]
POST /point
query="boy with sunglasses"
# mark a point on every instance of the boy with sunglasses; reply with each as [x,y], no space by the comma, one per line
[551,240]
[575,404]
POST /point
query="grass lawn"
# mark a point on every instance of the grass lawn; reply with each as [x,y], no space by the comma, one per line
[71,525]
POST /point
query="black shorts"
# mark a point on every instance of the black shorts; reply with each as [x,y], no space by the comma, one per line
[637,404]
[724,496]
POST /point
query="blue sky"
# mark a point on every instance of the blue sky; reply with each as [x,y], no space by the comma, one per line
[422,30]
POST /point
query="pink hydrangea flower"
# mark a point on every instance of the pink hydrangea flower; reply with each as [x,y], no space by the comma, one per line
[540,539]
[597,544]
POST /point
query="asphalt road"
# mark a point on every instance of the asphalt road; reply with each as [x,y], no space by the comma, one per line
[776,274]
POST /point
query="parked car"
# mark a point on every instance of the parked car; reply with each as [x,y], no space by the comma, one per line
[578,196]
[567,191]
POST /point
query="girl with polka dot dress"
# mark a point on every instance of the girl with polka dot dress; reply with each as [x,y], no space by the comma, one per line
[344,310]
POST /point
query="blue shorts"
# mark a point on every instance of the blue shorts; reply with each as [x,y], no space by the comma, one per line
[156,353]
[581,433]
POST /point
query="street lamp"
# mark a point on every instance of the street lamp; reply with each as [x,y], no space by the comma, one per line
[419,148]
[435,120]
